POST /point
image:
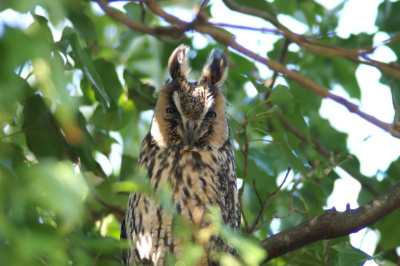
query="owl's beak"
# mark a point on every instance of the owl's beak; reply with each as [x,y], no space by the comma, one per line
[190,132]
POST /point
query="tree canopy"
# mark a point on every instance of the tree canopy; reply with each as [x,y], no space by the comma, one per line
[77,87]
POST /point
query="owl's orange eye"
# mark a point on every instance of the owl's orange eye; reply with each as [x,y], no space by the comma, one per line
[211,114]
[170,111]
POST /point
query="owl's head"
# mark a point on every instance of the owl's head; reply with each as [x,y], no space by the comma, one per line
[191,115]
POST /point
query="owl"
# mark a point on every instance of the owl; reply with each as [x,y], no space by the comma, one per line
[188,147]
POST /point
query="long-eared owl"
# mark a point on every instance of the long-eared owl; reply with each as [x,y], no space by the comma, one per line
[188,146]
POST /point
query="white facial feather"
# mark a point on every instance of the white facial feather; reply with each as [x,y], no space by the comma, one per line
[209,102]
[177,101]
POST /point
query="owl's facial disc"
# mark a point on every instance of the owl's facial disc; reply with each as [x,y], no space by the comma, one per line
[193,105]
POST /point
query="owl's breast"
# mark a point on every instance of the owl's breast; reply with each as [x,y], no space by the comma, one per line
[192,175]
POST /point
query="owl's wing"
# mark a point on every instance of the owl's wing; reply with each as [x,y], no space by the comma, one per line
[230,206]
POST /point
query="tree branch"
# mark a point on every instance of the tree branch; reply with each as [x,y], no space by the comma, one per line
[172,32]
[314,46]
[332,224]
[228,40]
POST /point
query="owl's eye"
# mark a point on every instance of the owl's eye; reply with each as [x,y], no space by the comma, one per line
[211,114]
[171,111]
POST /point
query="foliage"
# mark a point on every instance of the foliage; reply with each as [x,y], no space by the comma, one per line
[76,88]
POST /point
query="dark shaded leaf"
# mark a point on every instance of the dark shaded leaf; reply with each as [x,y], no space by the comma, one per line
[110,80]
[141,94]
[85,63]
[43,134]
[82,22]
[288,146]
[388,19]
[295,118]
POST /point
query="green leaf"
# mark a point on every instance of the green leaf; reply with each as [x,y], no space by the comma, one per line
[332,139]
[344,74]
[351,256]
[248,249]
[103,142]
[85,63]
[309,10]
[287,7]
[11,155]
[56,187]
[84,145]
[141,94]
[110,79]
[43,135]
[40,24]
[9,98]
[263,5]
[388,233]
[115,119]
[261,88]
[287,144]
[128,167]
[82,22]
[388,19]
[55,9]
[296,118]
[281,96]
[134,11]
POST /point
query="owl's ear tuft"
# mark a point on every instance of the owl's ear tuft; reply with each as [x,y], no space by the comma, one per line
[215,70]
[178,63]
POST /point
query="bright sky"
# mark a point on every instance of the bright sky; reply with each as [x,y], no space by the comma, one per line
[375,149]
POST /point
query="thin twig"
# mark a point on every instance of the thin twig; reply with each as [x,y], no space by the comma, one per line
[257,194]
[264,203]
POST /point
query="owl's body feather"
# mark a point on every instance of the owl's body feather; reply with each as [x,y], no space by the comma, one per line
[188,146]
